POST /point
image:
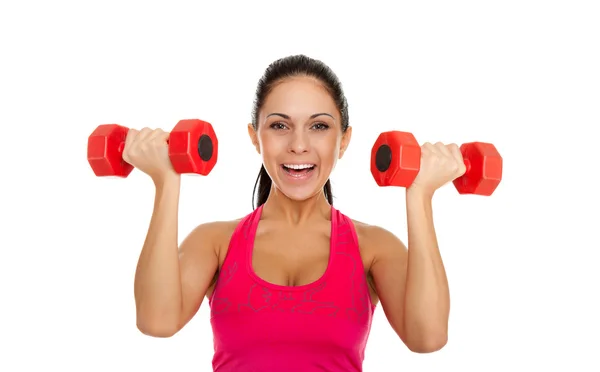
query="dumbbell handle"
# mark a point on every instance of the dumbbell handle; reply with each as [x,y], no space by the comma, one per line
[122,146]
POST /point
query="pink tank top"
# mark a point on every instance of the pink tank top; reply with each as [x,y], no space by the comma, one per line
[321,326]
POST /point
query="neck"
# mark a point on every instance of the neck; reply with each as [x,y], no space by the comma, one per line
[278,206]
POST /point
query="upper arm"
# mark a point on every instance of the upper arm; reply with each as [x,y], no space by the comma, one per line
[198,265]
[388,271]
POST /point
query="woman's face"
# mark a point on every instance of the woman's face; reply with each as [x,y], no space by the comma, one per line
[299,136]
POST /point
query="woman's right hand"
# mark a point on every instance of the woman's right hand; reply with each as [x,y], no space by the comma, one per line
[148,151]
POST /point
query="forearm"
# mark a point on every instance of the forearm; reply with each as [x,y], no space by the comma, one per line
[157,279]
[427,298]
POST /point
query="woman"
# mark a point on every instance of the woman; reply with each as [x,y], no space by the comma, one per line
[293,285]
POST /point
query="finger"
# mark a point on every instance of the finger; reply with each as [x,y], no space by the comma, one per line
[428,147]
[131,134]
[443,149]
[129,139]
[142,137]
[144,133]
[156,134]
[455,152]
[165,137]
[159,137]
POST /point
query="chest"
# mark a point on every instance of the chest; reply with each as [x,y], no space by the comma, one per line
[272,271]
[291,258]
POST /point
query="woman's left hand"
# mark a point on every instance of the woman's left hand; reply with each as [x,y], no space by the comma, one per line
[440,164]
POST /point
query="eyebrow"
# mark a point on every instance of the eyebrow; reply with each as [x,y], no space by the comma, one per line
[312,116]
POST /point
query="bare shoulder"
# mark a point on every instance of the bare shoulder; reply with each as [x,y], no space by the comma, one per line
[374,235]
[376,241]
[213,231]
[216,233]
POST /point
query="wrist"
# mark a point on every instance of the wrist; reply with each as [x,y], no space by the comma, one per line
[417,194]
[167,181]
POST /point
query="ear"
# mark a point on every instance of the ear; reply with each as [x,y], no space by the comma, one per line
[345,141]
[253,137]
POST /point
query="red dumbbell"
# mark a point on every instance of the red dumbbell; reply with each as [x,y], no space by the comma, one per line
[193,148]
[396,160]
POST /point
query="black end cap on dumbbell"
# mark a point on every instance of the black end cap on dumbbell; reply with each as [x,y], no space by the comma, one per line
[205,147]
[383,158]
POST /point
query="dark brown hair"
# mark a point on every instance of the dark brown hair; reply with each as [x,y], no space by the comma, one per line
[291,66]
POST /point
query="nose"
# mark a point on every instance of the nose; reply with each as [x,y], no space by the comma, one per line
[299,142]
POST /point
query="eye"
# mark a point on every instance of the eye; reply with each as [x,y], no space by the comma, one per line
[278,125]
[321,126]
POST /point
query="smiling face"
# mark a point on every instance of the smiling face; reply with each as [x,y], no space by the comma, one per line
[299,136]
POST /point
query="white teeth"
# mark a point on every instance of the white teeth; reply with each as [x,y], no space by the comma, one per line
[298,166]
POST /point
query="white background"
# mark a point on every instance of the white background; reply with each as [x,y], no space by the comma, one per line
[521,74]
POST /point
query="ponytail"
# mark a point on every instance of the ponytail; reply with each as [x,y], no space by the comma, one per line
[264,183]
[264,187]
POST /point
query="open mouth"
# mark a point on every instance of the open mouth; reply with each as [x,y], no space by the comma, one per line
[298,170]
